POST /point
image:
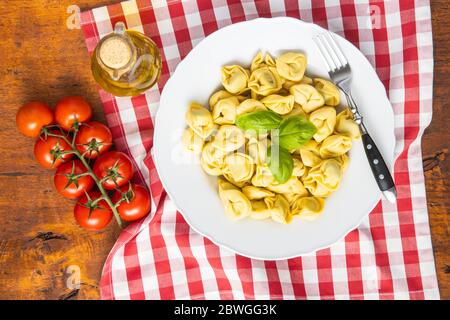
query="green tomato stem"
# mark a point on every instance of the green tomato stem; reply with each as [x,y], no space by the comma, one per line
[94,177]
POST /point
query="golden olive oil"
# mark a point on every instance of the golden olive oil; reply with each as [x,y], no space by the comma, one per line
[126,62]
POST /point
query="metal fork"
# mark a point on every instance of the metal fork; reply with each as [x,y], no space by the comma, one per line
[340,73]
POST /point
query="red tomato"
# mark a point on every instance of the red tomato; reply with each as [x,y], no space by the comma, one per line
[116,166]
[47,151]
[92,139]
[136,204]
[32,117]
[92,216]
[72,110]
[68,184]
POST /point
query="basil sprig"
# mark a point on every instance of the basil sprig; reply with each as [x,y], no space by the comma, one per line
[287,134]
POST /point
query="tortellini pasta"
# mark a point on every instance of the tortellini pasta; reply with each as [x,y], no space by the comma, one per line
[324,178]
[236,204]
[249,105]
[238,168]
[310,154]
[291,65]
[199,119]
[324,119]
[299,168]
[264,81]
[239,159]
[279,104]
[256,193]
[257,149]
[335,146]
[235,79]
[346,126]
[308,208]
[328,90]
[219,95]
[228,138]
[293,185]
[212,160]
[263,176]
[192,141]
[224,111]
[279,208]
[307,96]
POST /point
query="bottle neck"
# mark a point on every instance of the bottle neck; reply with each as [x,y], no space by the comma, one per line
[116,54]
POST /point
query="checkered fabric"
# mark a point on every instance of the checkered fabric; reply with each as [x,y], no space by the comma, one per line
[389,256]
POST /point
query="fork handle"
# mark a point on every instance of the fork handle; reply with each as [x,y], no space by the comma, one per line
[379,168]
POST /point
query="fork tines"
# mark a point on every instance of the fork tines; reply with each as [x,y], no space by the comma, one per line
[330,52]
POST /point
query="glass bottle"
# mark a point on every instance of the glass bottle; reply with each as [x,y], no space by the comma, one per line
[126,62]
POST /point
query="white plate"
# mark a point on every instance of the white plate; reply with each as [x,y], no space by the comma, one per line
[195,193]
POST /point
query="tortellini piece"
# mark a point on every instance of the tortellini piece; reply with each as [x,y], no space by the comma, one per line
[260,211]
[264,81]
[324,178]
[291,65]
[219,95]
[238,168]
[279,104]
[299,168]
[199,119]
[263,176]
[308,208]
[296,111]
[192,141]
[346,126]
[344,161]
[310,154]
[249,105]
[293,185]
[324,119]
[307,97]
[256,193]
[328,90]
[279,207]
[235,79]
[269,61]
[212,160]
[257,62]
[228,138]
[224,111]
[335,146]
[237,205]
[257,149]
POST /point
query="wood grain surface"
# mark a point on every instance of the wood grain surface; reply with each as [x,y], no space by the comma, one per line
[40,245]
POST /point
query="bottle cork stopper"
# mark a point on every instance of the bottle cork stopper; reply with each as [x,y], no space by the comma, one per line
[115,52]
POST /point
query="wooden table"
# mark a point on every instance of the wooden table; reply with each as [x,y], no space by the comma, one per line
[41,59]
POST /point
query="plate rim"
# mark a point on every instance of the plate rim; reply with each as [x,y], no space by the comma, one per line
[205,234]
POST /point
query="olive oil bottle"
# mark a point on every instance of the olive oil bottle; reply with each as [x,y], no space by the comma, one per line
[126,62]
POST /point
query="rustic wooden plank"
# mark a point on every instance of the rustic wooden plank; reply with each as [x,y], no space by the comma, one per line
[39,240]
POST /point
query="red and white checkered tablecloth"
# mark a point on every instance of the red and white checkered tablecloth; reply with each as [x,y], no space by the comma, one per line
[389,256]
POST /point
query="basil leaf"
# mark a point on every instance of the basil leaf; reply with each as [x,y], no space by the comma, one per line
[294,132]
[259,120]
[280,163]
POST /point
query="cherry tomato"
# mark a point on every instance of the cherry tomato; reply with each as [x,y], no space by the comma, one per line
[47,151]
[117,165]
[92,216]
[72,110]
[136,203]
[68,184]
[92,139]
[32,117]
